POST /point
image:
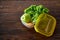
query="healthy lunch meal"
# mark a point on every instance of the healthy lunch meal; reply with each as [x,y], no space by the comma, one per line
[37,17]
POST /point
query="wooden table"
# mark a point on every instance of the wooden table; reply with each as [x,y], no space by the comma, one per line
[11,27]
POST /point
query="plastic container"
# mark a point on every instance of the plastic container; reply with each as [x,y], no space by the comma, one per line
[28,25]
[45,24]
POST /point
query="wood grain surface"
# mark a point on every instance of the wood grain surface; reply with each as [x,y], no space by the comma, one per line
[11,27]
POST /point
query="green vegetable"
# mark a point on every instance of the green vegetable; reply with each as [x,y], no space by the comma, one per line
[26,18]
[32,13]
[34,18]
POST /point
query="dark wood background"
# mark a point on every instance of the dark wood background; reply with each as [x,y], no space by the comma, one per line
[11,27]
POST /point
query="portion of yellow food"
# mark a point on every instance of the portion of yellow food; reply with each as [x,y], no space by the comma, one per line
[45,24]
